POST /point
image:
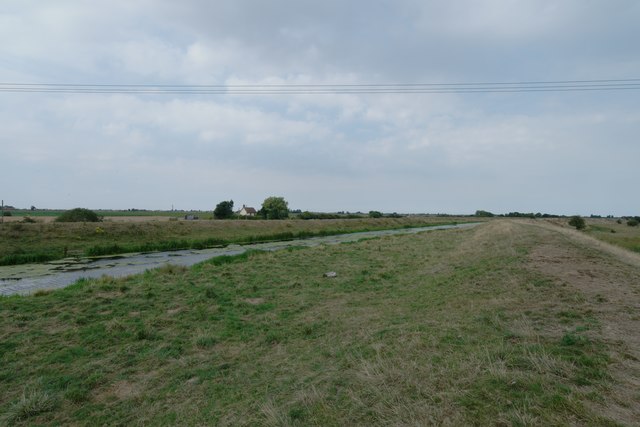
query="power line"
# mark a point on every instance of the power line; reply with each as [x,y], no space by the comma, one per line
[324,89]
[542,82]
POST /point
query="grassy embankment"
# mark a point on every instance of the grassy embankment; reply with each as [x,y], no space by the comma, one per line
[447,327]
[610,231]
[39,242]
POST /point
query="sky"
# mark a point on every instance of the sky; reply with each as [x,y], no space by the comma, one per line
[558,152]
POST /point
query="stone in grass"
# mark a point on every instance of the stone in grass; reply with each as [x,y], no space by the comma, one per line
[330,274]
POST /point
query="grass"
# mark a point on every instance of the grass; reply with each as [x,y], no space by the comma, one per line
[108,212]
[39,242]
[610,231]
[446,327]
[30,404]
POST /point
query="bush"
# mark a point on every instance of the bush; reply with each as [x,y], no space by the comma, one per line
[78,215]
[577,222]
[633,222]
[375,214]
[484,214]
[318,215]
[6,213]
[306,215]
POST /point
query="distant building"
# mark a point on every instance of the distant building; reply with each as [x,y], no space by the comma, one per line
[247,211]
[190,217]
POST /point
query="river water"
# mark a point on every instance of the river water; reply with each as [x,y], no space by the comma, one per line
[26,279]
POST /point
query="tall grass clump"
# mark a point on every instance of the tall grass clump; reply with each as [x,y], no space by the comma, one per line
[165,245]
[20,258]
[31,403]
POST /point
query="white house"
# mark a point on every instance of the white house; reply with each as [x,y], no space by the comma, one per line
[247,211]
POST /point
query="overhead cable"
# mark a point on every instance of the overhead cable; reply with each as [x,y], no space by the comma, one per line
[325,89]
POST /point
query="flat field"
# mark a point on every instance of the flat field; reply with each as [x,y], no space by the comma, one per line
[618,234]
[50,214]
[609,230]
[507,323]
[43,241]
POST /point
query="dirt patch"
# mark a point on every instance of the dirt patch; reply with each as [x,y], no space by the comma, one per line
[254,301]
[125,390]
[608,278]
[121,390]
[108,295]
[581,238]
[136,218]
[41,219]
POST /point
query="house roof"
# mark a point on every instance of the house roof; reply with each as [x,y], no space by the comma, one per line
[249,210]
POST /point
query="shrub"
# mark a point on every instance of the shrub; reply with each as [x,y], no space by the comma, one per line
[485,214]
[375,214]
[633,222]
[306,215]
[318,215]
[6,213]
[78,215]
[577,222]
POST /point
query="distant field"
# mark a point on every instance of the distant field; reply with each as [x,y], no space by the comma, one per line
[23,243]
[617,234]
[109,213]
[508,323]
[608,230]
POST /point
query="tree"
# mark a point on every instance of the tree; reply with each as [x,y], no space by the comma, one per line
[375,214]
[275,208]
[577,222]
[223,210]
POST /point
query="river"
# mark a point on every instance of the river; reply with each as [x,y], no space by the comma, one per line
[28,278]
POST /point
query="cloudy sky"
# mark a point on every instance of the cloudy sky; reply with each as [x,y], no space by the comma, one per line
[558,152]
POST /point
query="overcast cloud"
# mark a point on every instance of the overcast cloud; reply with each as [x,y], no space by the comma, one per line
[556,152]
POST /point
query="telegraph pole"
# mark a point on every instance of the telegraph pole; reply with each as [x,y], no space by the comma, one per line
[2,212]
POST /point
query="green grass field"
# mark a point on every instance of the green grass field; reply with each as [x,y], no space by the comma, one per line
[457,327]
[610,231]
[108,213]
[38,242]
